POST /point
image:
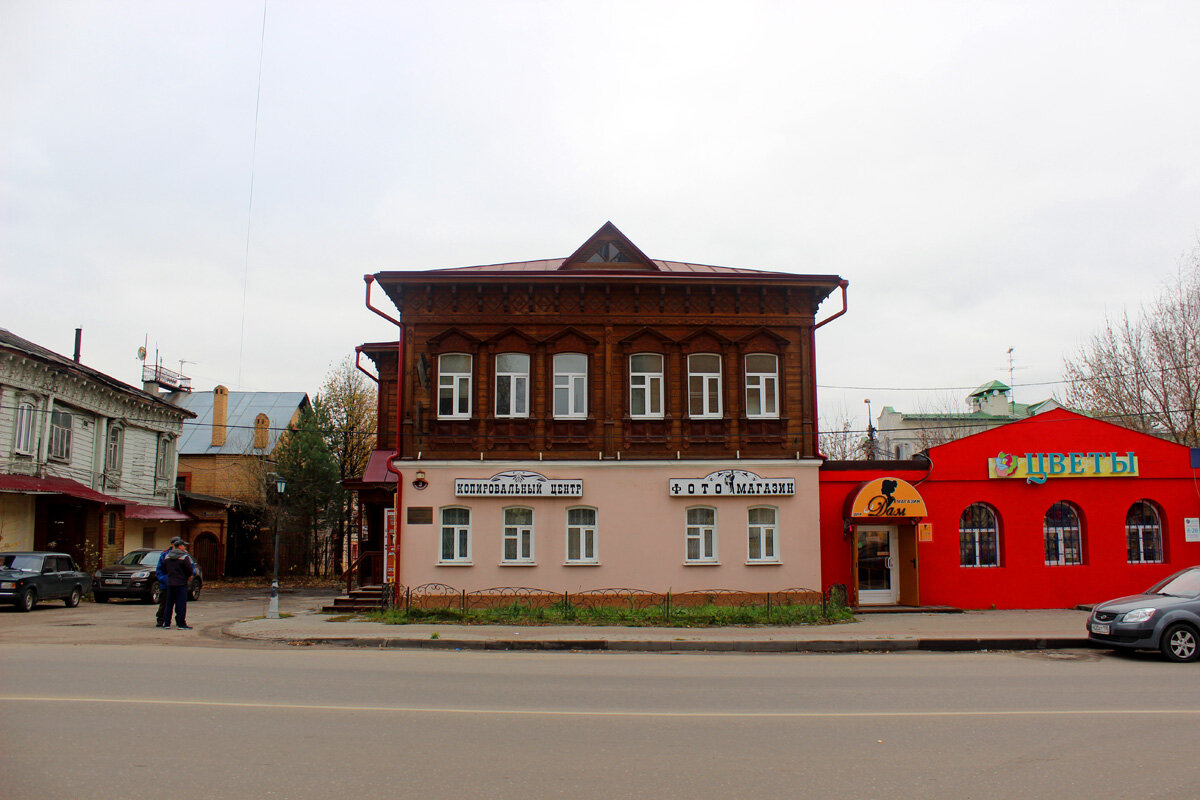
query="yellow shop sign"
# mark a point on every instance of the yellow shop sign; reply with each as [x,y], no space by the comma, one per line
[1038,467]
[888,497]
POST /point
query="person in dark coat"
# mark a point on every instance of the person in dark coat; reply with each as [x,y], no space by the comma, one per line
[178,568]
[160,619]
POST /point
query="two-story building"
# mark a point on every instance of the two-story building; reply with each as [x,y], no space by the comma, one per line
[599,420]
[87,463]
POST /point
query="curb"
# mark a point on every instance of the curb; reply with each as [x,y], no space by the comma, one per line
[567,645]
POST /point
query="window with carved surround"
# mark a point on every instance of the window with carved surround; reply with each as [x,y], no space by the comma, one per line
[60,436]
[518,535]
[23,440]
[704,386]
[570,386]
[762,386]
[646,386]
[512,385]
[701,535]
[114,450]
[162,464]
[581,536]
[454,386]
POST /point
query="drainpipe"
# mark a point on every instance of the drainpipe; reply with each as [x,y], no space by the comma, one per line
[358,365]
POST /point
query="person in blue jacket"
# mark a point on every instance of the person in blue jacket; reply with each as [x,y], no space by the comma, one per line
[177,565]
[160,621]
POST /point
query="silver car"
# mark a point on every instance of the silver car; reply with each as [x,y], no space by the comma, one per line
[1165,618]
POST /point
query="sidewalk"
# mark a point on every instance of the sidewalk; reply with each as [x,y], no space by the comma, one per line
[971,630]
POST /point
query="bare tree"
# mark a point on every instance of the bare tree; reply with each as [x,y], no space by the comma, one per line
[838,440]
[1143,372]
[347,401]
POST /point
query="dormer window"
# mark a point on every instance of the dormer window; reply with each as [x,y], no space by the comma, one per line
[609,253]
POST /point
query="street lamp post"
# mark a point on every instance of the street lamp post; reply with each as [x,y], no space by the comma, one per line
[870,431]
[273,606]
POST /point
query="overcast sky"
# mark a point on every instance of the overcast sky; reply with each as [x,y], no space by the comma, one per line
[986,175]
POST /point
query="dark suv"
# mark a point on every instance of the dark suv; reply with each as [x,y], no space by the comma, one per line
[26,578]
[134,575]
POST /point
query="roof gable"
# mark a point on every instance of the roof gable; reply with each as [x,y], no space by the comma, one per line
[609,249]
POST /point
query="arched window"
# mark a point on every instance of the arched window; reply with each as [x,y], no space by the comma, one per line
[1064,535]
[512,385]
[704,385]
[646,386]
[456,536]
[454,386]
[979,537]
[701,535]
[581,536]
[1143,533]
[518,535]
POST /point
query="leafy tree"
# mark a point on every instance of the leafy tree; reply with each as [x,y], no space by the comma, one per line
[1144,371]
[347,405]
[310,501]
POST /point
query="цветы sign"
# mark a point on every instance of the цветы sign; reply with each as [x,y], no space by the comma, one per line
[1037,467]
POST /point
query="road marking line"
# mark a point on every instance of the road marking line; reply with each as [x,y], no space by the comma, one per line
[580,713]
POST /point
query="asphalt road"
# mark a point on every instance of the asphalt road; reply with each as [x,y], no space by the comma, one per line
[300,722]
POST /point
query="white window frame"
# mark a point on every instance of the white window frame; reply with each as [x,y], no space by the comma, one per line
[764,386]
[460,534]
[162,461]
[1141,532]
[114,450]
[1060,532]
[974,533]
[574,384]
[518,388]
[704,386]
[648,384]
[703,535]
[518,534]
[458,385]
[23,438]
[60,435]
[768,536]
[584,534]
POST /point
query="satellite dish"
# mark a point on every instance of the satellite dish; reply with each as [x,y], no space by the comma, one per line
[141,354]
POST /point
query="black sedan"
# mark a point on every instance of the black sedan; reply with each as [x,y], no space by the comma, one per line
[1165,618]
[134,575]
[29,577]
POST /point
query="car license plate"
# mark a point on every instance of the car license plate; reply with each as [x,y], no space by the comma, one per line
[116,581]
[1098,627]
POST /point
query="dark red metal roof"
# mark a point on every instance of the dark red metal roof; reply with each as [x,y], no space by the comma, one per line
[156,513]
[27,484]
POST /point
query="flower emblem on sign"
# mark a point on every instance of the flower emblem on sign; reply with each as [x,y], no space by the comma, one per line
[1006,464]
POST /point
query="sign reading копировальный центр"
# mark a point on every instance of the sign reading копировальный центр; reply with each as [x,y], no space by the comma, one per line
[1038,467]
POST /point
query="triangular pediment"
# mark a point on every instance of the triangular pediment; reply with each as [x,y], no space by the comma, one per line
[609,249]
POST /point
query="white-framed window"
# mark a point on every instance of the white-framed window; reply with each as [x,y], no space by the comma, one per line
[23,439]
[704,385]
[518,535]
[512,385]
[762,386]
[646,386]
[570,385]
[701,535]
[456,536]
[113,450]
[978,537]
[1064,535]
[454,386]
[762,534]
[1143,533]
[162,463]
[581,536]
[60,435]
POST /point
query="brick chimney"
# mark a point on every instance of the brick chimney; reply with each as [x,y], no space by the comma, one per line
[220,415]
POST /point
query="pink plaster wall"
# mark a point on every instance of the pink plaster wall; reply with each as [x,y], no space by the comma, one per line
[640,529]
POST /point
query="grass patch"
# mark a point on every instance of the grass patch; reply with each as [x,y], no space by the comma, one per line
[703,616]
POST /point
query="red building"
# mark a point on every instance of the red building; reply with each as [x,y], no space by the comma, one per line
[1049,512]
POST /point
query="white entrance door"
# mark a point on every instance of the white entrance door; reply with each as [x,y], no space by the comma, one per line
[877,581]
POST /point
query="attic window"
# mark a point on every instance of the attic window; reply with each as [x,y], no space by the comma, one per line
[609,253]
